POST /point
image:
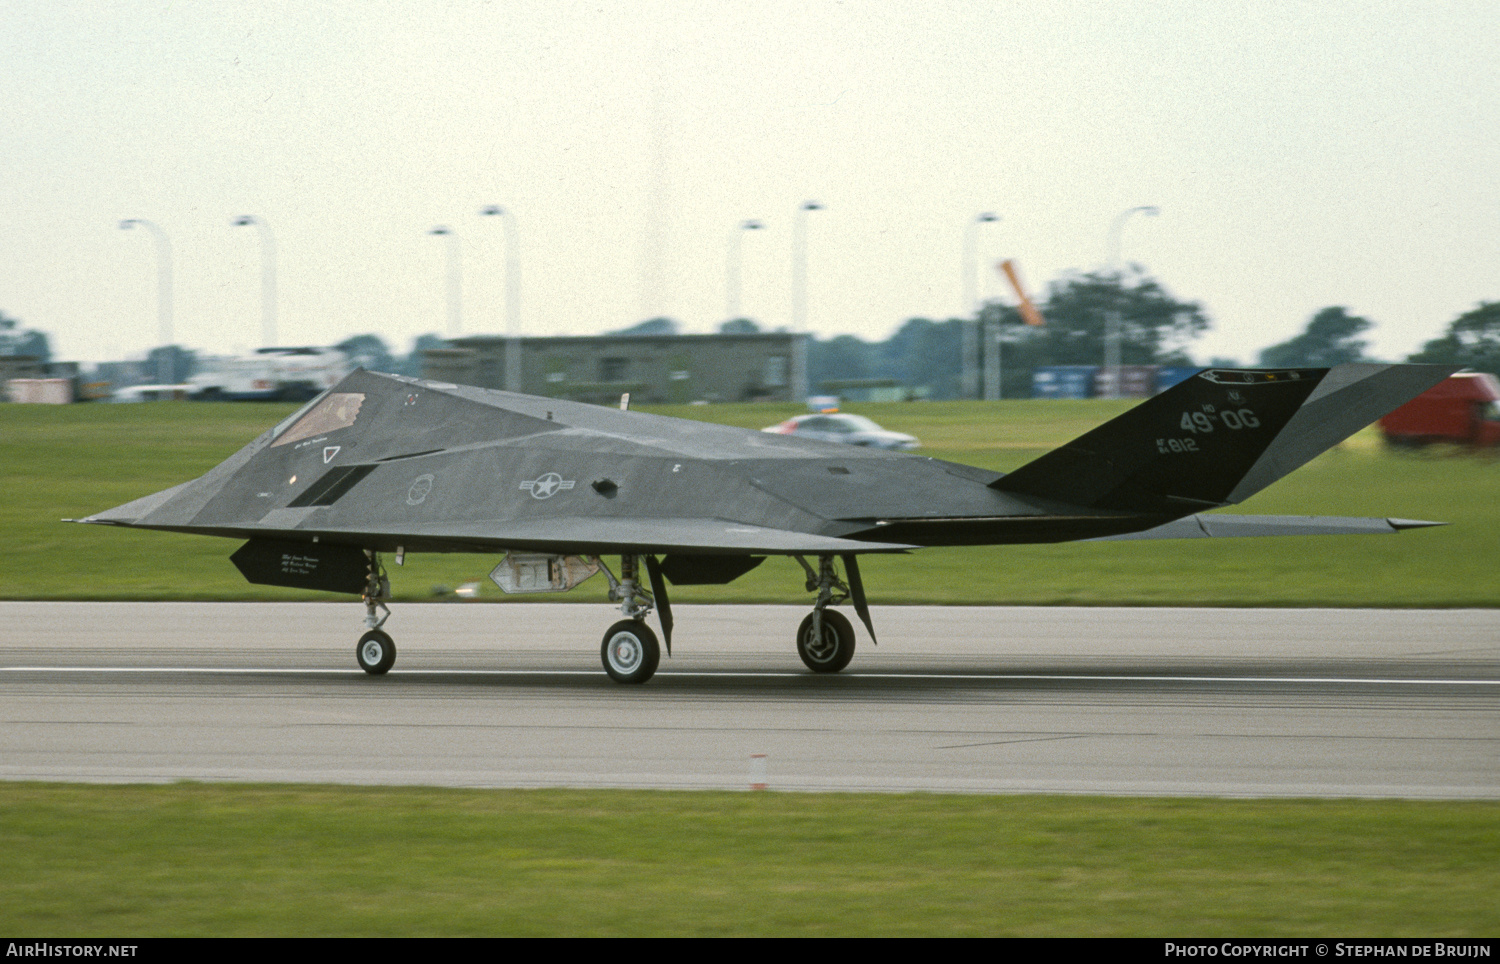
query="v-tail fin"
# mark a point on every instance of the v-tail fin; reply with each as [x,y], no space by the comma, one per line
[1218,437]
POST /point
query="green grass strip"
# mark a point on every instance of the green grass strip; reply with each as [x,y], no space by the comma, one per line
[199,859]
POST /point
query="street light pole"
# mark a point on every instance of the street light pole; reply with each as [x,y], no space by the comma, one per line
[512,296]
[799,298]
[732,268]
[455,280]
[267,275]
[164,373]
[1112,317]
[970,271]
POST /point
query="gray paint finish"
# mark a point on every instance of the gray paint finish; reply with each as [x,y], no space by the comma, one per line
[444,468]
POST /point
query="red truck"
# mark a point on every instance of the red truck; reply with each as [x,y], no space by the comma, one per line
[1464,409]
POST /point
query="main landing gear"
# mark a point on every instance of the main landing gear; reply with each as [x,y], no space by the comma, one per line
[630,649]
[825,640]
[630,652]
[826,645]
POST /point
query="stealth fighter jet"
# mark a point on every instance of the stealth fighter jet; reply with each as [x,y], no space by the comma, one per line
[383,465]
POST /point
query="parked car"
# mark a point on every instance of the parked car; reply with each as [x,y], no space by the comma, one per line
[845,428]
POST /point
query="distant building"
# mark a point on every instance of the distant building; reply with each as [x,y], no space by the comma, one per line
[121,374]
[29,371]
[654,369]
[21,366]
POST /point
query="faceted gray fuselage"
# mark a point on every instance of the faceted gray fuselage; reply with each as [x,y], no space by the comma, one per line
[383,462]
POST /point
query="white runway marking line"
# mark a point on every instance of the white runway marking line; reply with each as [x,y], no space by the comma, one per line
[790,674]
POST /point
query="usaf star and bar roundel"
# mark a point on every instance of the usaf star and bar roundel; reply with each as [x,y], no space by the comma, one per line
[547,485]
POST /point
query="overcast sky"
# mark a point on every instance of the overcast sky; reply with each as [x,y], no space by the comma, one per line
[1302,155]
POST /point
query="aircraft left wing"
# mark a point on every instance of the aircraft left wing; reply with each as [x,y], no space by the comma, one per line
[563,536]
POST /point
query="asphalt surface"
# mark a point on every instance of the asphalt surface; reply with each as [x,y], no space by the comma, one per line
[1366,703]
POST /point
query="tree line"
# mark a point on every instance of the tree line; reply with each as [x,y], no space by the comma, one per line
[926,356]
[1155,328]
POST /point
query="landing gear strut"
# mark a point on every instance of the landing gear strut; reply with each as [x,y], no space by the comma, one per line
[825,640]
[630,650]
[376,651]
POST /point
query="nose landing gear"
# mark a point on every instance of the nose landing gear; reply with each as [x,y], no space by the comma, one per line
[376,651]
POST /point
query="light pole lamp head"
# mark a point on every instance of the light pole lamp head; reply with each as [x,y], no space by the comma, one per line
[1117,228]
[811,206]
[128,224]
[244,220]
[441,229]
[752,226]
[987,217]
[491,211]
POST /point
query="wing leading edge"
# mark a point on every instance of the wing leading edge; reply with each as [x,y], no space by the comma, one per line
[587,536]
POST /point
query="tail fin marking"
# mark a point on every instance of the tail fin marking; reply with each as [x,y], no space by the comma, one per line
[1218,437]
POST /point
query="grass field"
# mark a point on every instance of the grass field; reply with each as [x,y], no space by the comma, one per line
[72,461]
[219,860]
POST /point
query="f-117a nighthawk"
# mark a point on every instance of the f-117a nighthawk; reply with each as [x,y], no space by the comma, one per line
[381,464]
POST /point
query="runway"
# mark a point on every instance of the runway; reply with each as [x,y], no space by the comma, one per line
[1218,702]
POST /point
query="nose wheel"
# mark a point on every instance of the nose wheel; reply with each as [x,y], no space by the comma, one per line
[376,652]
[630,652]
[825,648]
